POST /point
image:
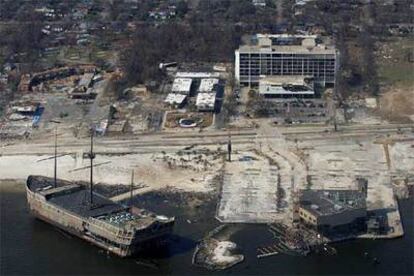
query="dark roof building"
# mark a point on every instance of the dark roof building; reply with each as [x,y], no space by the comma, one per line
[332,210]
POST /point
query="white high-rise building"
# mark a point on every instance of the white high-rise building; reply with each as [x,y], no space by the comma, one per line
[285,55]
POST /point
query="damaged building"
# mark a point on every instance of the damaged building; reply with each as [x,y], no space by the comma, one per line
[285,55]
[286,87]
[333,211]
[29,81]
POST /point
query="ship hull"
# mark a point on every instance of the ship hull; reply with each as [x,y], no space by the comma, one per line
[77,226]
[152,244]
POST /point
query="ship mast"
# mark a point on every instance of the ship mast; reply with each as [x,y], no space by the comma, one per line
[91,156]
[55,169]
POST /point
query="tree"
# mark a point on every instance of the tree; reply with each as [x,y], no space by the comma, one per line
[369,66]
[240,9]
[181,8]
[114,9]
[176,42]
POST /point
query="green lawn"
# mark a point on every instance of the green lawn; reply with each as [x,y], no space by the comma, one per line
[397,73]
[398,69]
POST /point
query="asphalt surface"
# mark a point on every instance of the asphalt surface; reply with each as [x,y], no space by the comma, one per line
[160,140]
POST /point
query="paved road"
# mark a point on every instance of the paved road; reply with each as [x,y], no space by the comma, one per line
[162,140]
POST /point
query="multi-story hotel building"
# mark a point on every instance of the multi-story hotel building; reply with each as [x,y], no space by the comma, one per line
[285,55]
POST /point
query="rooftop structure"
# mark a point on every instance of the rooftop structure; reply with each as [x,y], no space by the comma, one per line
[139,90]
[25,110]
[302,2]
[207,85]
[274,55]
[329,202]
[286,86]
[24,84]
[28,81]
[167,64]
[197,75]
[260,3]
[86,80]
[326,210]
[175,99]
[182,85]
[206,101]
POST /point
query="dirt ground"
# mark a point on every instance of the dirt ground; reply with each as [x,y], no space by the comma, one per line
[396,73]
[398,104]
[249,192]
[152,171]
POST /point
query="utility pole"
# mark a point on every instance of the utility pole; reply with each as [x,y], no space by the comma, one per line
[334,117]
[91,156]
[336,95]
[55,169]
[331,98]
[229,148]
[132,188]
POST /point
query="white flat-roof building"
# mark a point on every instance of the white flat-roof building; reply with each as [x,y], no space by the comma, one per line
[207,85]
[182,85]
[197,75]
[286,86]
[206,101]
[260,3]
[175,99]
[302,2]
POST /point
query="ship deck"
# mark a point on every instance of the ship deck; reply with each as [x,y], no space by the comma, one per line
[79,202]
[74,200]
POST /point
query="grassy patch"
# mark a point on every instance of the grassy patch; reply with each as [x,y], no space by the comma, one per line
[402,74]
[396,62]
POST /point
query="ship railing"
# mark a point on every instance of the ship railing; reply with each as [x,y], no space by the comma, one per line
[104,225]
[110,229]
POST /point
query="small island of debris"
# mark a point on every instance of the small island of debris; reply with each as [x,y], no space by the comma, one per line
[214,254]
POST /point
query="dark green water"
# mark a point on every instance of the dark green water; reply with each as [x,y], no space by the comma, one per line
[29,246]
